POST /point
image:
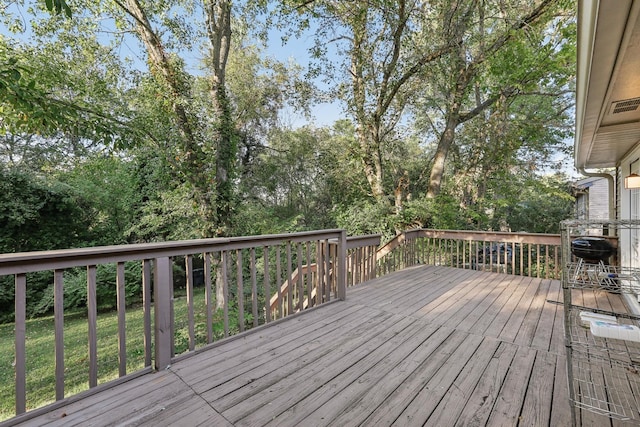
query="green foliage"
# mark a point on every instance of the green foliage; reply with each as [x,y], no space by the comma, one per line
[38,214]
[112,188]
[75,289]
[59,6]
[540,206]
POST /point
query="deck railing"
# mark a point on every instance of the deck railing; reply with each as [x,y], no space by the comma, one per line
[193,293]
[360,263]
[197,292]
[526,254]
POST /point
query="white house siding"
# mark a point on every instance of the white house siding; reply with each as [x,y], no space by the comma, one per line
[592,201]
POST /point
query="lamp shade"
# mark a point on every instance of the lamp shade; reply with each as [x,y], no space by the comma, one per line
[632,181]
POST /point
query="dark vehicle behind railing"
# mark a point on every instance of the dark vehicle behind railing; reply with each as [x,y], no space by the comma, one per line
[525,254]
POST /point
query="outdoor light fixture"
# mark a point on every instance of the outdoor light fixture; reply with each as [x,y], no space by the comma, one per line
[632,181]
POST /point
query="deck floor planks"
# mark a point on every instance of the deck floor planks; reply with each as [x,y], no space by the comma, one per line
[488,317]
[450,406]
[478,407]
[527,331]
[390,409]
[502,323]
[431,345]
[237,370]
[540,390]
[507,408]
[418,293]
[108,408]
[345,390]
[372,397]
[545,326]
[482,309]
[288,389]
[349,371]
[447,285]
[192,412]
[560,409]
[264,377]
[437,309]
[461,296]
[283,331]
[426,400]
[384,291]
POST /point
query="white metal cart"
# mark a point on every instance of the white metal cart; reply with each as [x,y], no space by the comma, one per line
[603,368]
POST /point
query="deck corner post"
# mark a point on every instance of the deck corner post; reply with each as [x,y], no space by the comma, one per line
[342,266]
[162,282]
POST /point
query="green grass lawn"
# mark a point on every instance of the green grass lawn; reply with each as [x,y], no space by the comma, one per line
[40,351]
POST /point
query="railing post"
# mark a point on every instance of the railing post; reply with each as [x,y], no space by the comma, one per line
[342,266]
[20,327]
[162,282]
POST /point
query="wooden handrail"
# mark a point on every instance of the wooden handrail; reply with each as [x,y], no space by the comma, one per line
[160,258]
[469,245]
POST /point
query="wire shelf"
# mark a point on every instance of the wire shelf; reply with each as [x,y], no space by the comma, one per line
[603,373]
[611,389]
[612,278]
[594,347]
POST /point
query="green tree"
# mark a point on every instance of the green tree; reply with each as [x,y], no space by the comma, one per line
[38,214]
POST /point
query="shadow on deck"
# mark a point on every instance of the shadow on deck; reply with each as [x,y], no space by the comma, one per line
[425,346]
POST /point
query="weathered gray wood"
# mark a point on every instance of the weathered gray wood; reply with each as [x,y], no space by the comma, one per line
[544,329]
[348,395]
[224,258]
[267,287]
[390,409]
[122,313]
[206,367]
[162,312]
[191,327]
[426,400]
[260,372]
[58,309]
[116,406]
[240,285]
[20,340]
[368,361]
[192,412]
[451,405]
[254,286]
[516,318]
[289,279]
[480,313]
[251,400]
[329,374]
[92,314]
[508,406]
[279,313]
[506,310]
[146,307]
[560,409]
[480,404]
[341,271]
[525,334]
[535,410]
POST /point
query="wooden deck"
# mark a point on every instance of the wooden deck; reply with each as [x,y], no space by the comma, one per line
[432,346]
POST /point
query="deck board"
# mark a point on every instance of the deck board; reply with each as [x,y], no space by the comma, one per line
[429,345]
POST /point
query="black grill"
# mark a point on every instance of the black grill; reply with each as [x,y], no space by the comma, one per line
[594,249]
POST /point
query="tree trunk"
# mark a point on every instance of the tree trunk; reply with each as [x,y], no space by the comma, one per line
[439,160]
[219,32]
[372,163]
